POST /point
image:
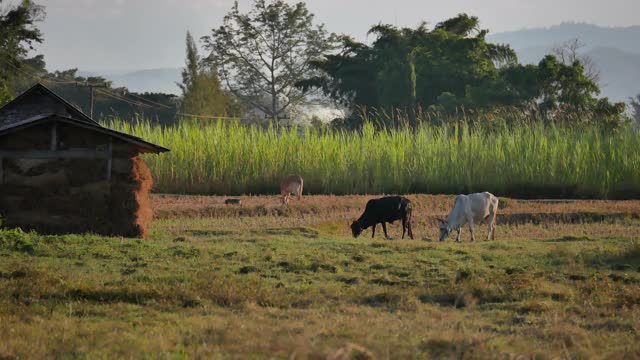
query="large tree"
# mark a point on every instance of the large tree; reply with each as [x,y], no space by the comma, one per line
[202,94]
[18,35]
[406,67]
[262,54]
[452,66]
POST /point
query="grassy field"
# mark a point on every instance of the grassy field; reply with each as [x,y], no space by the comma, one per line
[562,280]
[532,160]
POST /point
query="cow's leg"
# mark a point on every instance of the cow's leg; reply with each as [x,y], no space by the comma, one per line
[458,235]
[409,226]
[373,232]
[492,222]
[384,228]
[473,235]
[404,227]
[492,228]
[300,193]
[284,198]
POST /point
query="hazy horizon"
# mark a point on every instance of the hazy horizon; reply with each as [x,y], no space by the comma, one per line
[120,36]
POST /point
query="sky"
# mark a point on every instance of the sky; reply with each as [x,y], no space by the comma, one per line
[112,36]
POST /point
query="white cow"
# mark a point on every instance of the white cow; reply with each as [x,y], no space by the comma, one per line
[470,209]
[291,184]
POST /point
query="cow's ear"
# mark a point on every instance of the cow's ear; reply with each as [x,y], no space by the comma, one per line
[441,220]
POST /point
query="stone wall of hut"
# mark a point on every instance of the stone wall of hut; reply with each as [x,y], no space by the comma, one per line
[76,195]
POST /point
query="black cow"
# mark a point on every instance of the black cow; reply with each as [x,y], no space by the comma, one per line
[384,210]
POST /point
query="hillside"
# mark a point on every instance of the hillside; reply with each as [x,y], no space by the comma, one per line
[150,80]
[623,38]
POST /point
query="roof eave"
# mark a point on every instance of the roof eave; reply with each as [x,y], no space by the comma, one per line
[142,145]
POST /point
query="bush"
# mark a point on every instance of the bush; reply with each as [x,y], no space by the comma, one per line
[16,240]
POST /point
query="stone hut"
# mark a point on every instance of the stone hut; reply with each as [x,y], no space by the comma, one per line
[61,172]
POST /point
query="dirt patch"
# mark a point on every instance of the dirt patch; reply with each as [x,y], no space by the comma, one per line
[342,209]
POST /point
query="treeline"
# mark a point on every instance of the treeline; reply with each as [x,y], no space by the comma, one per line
[273,61]
[452,68]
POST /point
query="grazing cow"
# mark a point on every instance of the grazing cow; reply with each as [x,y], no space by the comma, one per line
[233,202]
[291,184]
[384,210]
[469,209]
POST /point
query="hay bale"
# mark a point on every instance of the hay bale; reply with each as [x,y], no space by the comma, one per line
[85,171]
[121,166]
[130,206]
[97,188]
[25,165]
[53,179]
[66,201]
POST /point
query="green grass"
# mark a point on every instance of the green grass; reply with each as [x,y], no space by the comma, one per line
[257,288]
[521,161]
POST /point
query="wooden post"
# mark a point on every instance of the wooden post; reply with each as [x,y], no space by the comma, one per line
[110,158]
[54,136]
[91,88]
[91,109]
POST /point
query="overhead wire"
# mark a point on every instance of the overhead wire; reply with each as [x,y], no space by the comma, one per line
[121,98]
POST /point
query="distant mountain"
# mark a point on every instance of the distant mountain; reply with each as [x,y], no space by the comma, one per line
[153,80]
[619,71]
[623,38]
[615,52]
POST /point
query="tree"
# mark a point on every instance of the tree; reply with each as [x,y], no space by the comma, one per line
[569,52]
[450,67]
[18,35]
[409,68]
[262,54]
[202,94]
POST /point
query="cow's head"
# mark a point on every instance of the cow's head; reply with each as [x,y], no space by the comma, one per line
[356,229]
[445,229]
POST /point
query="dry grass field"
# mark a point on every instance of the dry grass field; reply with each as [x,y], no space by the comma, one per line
[562,280]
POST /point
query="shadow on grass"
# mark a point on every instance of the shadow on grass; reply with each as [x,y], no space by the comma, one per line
[564,218]
[391,301]
[212,233]
[294,231]
[571,238]
[627,259]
